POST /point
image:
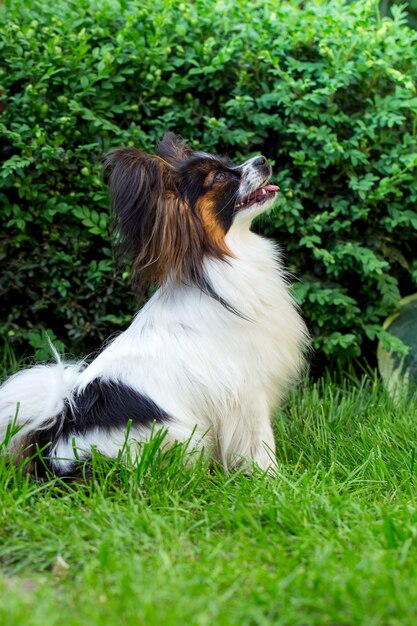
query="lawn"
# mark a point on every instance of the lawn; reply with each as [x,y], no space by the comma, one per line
[332,540]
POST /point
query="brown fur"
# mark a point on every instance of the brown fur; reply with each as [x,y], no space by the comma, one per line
[165,236]
[158,230]
[213,229]
[174,246]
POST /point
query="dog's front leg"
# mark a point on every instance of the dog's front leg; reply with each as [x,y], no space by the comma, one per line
[262,452]
[247,437]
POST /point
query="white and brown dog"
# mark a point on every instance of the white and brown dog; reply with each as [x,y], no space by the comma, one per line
[214,350]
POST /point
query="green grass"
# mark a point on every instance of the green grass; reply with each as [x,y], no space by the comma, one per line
[332,540]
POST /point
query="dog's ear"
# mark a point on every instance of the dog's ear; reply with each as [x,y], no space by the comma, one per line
[157,231]
[173,149]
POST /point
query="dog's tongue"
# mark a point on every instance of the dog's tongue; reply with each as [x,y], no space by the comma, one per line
[271,188]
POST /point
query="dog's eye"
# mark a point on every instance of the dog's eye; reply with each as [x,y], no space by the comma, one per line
[219,177]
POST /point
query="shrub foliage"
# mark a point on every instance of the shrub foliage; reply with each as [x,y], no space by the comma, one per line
[326,90]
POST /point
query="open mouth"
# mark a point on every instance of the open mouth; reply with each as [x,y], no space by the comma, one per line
[257,196]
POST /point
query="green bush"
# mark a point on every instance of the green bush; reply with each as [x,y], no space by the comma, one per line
[410,6]
[325,89]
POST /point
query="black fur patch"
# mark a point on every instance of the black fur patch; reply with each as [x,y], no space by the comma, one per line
[101,405]
[107,405]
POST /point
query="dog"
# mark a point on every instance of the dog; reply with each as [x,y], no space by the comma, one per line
[211,354]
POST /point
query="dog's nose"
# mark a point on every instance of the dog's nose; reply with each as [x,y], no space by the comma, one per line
[260,161]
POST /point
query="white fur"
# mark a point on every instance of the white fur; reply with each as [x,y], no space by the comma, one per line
[33,398]
[217,375]
[64,451]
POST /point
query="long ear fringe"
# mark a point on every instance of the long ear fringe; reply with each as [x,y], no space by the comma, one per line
[158,232]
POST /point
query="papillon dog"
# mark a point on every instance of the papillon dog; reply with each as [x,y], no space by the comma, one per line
[211,354]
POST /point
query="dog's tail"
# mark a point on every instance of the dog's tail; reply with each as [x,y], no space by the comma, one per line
[34,399]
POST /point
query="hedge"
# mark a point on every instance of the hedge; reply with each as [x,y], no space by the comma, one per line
[325,89]
[410,6]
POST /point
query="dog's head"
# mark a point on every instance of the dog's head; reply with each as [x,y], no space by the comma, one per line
[175,208]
